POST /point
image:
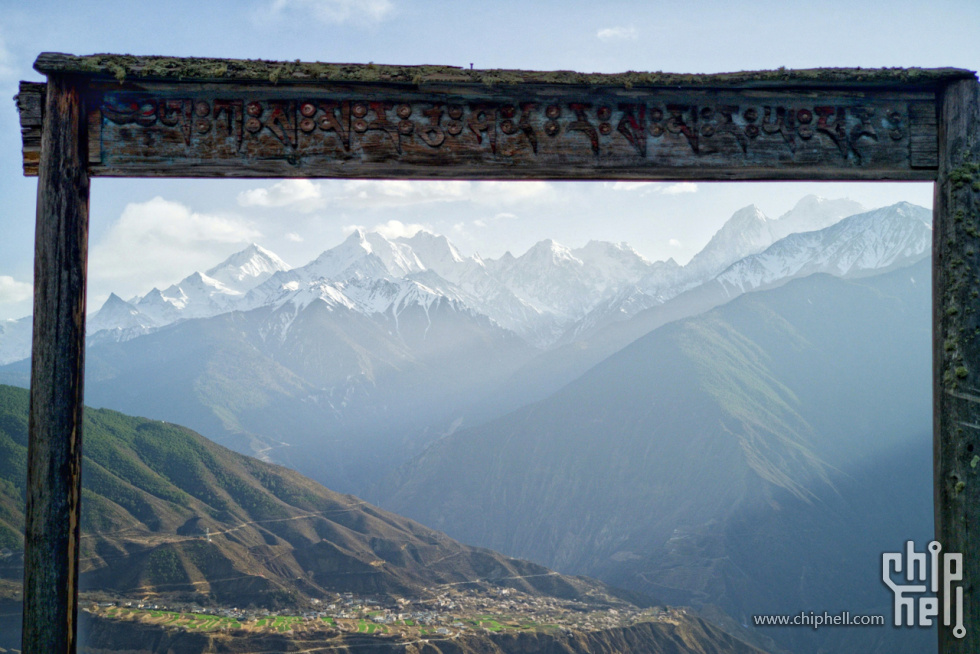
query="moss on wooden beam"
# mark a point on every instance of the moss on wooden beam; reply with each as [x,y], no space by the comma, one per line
[134,68]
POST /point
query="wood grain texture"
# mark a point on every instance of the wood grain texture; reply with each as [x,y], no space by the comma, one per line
[178,129]
[30,100]
[55,425]
[956,350]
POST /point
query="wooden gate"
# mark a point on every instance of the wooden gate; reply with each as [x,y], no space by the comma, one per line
[123,116]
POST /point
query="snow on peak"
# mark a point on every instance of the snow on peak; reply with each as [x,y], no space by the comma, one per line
[873,241]
[433,250]
[247,269]
[747,232]
[549,252]
[398,258]
[812,213]
[353,256]
[118,314]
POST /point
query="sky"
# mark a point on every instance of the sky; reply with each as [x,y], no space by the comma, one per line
[146,233]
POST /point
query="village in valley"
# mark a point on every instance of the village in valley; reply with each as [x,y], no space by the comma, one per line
[445,614]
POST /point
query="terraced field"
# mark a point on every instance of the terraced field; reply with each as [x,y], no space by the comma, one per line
[193,621]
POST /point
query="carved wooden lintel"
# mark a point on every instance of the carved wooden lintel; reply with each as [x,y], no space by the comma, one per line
[235,130]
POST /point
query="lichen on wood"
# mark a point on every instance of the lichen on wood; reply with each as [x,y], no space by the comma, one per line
[124,67]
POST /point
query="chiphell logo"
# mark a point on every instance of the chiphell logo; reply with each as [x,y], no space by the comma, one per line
[931,569]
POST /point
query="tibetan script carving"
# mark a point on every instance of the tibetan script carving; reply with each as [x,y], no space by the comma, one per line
[337,134]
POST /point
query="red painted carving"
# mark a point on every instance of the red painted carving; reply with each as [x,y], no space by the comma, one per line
[582,124]
[633,126]
[330,121]
[483,120]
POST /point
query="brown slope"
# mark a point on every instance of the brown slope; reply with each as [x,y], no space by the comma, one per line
[154,491]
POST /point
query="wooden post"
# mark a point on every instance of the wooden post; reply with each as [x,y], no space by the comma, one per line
[55,447]
[956,350]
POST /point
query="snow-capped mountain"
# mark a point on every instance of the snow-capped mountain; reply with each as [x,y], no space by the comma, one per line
[749,231]
[534,295]
[199,295]
[871,242]
[568,283]
[383,345]
[812,213]
[547,295]
[243,271]
[548,291]
[195,296]
[118,320]
[475,282]
[865,243]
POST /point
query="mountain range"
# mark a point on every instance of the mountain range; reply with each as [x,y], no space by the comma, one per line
[540,295]
[346,367]
[712,434]
[168,516]
[757,457]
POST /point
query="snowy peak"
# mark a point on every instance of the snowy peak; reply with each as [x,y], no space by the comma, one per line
[866,243]
[247,269]
[813,213]
[747,232]
[548,291]
[116,313]
[436,252]
[354,256]
[548,253]
[199,295]
[195,296]
[398,258]
[614,264]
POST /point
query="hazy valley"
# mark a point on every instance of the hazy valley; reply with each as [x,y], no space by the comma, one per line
[744,434]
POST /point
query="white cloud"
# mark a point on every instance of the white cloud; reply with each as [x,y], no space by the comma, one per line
[405,193]
[479,223]
[646,188]
[330,12]
[299,194]
[617,34]
[159,242]
[396,228]
[13,291]
[509,193]
[505,215]
[294,237]
[674,243]
[391,229]
[680,187]
[630,186]
[402,193]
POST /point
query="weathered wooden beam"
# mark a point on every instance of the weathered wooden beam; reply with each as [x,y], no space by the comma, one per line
[30,100]
[173,117]
[956,351]
[182,129]
[121,68]
[55,425]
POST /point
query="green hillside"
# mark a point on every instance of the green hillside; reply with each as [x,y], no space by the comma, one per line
[152,491]
[759,457]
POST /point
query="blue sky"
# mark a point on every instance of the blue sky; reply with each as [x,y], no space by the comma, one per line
[152,232]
